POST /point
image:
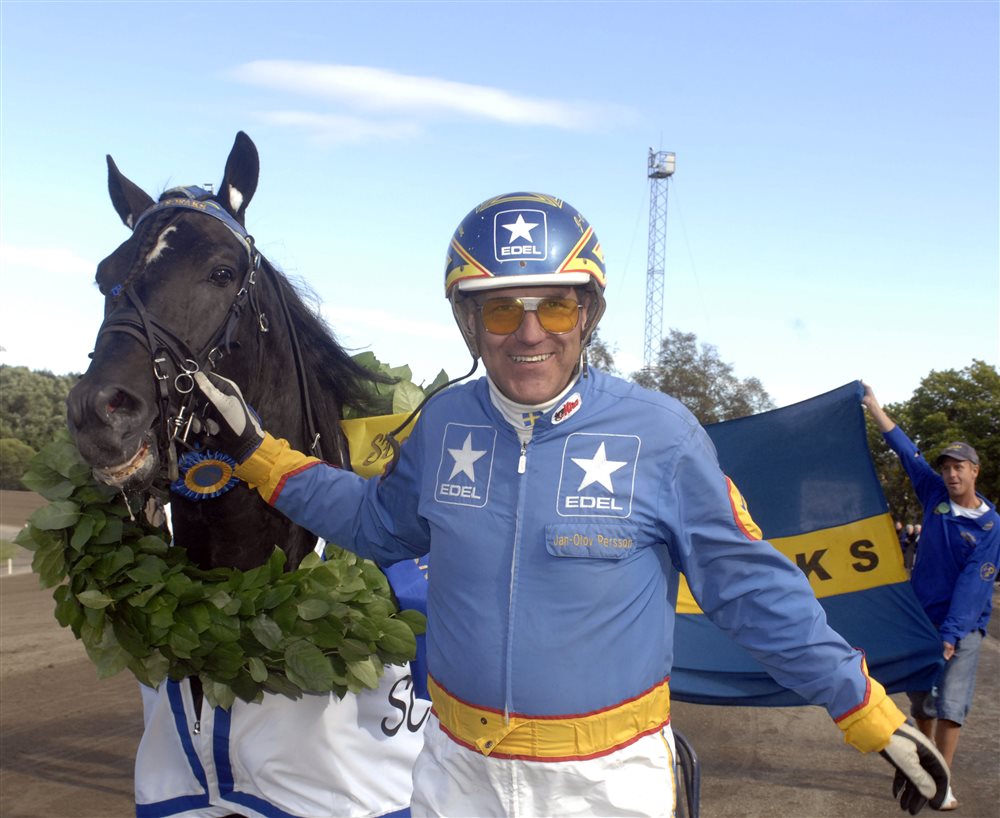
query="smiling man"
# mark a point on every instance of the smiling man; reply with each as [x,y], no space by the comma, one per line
[953,576]
[561,505]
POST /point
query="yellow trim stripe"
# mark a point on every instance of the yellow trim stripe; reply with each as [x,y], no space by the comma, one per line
[585,265]
[463,271]
[742,514]
[274,462]
[539,198]
[840,560]
[870,726]
[551,738]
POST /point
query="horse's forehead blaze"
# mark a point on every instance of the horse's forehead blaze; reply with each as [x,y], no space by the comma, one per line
[161,244]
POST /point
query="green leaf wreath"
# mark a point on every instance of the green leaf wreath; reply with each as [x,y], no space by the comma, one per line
[136,602]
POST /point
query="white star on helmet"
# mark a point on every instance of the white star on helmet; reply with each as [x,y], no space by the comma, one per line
[520,229]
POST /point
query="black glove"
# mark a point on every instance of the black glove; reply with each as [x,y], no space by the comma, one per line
[921,772]
[239,432]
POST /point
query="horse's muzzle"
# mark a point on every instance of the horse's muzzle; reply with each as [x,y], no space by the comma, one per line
[113,426]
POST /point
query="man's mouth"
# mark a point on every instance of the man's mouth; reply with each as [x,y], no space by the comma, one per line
[530,359]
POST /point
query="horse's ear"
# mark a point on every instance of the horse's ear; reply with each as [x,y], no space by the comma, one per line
[129,199]
[240,179]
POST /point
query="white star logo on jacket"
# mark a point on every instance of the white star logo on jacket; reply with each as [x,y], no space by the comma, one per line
[598,469]
[464,458]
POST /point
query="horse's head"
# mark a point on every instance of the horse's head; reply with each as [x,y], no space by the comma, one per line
[173,293]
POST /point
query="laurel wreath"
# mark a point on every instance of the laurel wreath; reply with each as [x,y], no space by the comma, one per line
[138,603]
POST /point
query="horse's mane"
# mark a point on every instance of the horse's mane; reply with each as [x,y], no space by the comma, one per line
[336,371]
[335,380]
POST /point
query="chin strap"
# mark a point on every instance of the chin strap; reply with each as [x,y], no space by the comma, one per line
[391,437]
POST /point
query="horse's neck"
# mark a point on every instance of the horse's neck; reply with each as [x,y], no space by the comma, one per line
[275,391]
[238,529]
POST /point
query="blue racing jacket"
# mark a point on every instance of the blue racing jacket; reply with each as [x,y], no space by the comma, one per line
[957,557]
[556,563]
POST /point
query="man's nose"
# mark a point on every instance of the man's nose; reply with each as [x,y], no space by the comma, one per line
[531,330]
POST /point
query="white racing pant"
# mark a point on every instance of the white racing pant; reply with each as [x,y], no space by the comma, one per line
[637,780]
[316,757]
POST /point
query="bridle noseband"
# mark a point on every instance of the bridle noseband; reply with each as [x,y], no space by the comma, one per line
[166,349]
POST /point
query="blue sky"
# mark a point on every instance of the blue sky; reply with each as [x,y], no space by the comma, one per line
[834,214]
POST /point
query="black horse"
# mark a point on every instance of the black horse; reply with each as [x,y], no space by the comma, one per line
[189,289]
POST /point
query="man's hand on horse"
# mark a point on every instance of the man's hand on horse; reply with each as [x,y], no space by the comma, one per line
[921,773]
[239,431]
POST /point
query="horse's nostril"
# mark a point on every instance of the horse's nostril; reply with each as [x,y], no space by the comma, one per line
[117,401]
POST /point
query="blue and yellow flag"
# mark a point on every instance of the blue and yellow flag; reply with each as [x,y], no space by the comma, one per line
[810,484]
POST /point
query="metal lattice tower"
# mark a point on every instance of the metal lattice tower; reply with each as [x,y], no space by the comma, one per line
[660,169]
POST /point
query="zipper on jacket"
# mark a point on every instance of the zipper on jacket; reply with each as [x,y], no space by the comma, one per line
[522,464]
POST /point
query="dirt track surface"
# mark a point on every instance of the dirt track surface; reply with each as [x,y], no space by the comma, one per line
[67,739]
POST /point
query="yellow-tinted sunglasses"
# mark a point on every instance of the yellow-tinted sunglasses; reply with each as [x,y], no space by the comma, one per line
[502,316]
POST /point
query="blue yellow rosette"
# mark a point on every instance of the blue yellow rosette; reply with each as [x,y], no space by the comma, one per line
[204,475]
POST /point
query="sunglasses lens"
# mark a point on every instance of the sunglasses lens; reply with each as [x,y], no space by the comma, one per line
[558,315]
[502,316]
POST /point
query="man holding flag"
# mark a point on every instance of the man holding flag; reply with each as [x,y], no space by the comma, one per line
[952,577]
[563,504]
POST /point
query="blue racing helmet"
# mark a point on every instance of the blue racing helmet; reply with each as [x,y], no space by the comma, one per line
[524,240]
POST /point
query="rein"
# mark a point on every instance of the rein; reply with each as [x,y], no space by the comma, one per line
[166,348]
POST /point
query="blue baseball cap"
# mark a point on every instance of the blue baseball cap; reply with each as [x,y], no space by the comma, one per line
[958,451]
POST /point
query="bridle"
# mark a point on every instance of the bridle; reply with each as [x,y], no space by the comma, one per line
[167,350]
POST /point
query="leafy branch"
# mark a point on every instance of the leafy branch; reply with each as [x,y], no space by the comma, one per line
[137,603]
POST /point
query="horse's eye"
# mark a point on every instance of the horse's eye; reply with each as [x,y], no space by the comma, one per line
[221,276]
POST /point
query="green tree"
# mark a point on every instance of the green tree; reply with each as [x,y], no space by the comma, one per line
[15,458]
[599,356]
[32,404]
[948,405]
[704,383]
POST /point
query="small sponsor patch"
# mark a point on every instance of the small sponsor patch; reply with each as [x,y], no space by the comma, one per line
[569,407]
[988,571]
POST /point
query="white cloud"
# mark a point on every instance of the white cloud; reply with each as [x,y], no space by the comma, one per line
[427,347]
[379,90]
[329,129]
[56,260]
[379,322]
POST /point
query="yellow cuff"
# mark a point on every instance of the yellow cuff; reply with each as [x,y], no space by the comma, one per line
[267,468]
[869,728]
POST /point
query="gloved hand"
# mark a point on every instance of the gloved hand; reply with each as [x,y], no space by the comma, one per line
[239,433]
[921,772]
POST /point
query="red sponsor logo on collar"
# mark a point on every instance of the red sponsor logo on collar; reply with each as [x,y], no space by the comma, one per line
[569,407]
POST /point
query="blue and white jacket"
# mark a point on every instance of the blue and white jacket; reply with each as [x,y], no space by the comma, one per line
[556,566]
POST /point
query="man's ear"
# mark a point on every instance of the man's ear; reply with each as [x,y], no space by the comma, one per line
[469,312]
